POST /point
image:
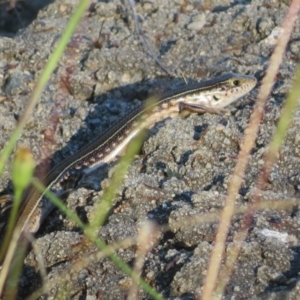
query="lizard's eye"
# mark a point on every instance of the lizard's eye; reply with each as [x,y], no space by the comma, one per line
[236,82]
[216,98]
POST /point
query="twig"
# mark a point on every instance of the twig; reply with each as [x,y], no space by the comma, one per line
[144,40]
[247,145]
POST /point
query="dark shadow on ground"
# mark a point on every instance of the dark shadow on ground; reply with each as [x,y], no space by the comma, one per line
[18,15]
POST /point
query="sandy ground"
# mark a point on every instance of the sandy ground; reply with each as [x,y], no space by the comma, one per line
[185,164]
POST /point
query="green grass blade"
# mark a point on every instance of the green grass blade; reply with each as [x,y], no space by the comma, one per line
[49,68]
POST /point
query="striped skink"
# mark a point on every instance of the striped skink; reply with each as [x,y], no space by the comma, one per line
[210,95]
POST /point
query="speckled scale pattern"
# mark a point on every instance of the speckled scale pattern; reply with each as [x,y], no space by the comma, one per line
[198,39]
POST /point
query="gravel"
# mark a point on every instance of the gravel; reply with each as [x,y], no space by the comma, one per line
[185,164]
